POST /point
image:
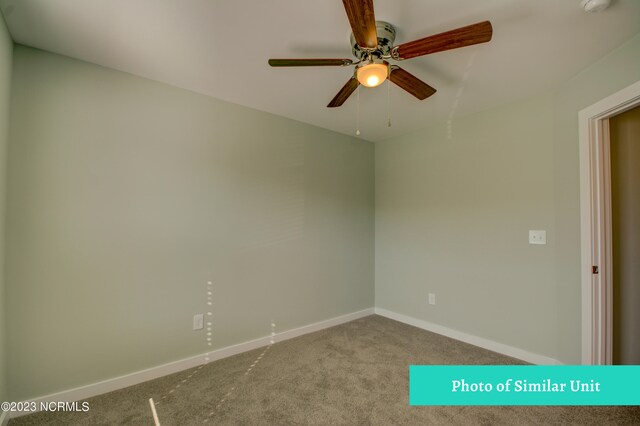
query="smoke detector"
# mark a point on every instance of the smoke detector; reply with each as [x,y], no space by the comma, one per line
[594,5]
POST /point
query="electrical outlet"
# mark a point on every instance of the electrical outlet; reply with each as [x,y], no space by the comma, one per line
[198,321]
[432,298]
[537,237]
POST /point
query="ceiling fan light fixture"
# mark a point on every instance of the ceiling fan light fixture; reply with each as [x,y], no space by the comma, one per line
[373,74]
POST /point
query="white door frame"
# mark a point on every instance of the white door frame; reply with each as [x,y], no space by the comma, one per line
[595,223]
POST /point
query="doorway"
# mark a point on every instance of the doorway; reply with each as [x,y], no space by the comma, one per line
[597,223]
[624,150]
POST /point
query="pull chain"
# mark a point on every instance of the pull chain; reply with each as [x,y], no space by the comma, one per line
[389,99]
[358,111]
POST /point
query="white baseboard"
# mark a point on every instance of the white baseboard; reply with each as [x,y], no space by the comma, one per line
[468,338]
[109,385]
[120,382]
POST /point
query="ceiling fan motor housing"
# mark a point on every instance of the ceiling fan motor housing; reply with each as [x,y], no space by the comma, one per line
[386,36]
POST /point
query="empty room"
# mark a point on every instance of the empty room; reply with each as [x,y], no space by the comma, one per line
[331,212]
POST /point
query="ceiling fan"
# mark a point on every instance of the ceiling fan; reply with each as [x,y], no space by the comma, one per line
[372,45]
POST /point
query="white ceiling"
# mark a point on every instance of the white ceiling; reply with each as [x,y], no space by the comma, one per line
[220,48]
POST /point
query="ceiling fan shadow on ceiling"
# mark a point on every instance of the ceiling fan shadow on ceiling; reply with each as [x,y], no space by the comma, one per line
[372,45]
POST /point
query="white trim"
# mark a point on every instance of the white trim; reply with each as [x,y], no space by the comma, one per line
[593,220]
[607,320]
[471,339]
[120,382]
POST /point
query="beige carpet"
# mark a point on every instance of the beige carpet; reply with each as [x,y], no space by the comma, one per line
[352,374]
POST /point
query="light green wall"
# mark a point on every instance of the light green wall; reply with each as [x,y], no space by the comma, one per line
[126,196]
[452,216]
[6,49]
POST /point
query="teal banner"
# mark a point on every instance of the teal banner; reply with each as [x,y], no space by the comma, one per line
[524,385]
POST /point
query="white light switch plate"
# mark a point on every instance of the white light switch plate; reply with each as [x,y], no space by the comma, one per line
[537,237]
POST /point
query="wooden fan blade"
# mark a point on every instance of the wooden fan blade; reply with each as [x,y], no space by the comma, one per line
[344,93]
[461,37]
[310,62]
[363,22]
[410,83]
